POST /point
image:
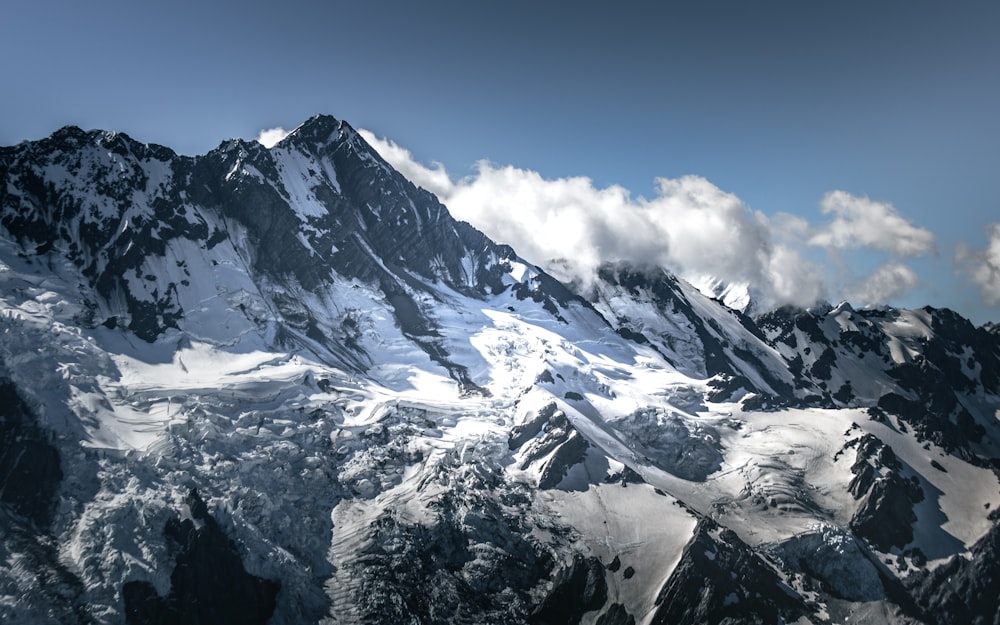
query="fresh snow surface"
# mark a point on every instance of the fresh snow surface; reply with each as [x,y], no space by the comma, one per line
[953,513]
[735,295]
[644,529]
[680,340]
[300,176]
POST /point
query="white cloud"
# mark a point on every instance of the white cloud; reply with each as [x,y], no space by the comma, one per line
[862,222]
[567,219]
[982,267]
[793,280]
[270,136]
[691,227]
[886,282]
[435,179]
[789,227]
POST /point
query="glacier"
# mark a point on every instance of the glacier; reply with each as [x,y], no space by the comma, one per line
[284,385]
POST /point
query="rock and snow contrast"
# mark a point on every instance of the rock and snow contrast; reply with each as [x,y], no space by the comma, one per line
[285,386]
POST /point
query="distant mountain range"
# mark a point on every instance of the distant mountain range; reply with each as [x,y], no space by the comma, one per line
[285,385]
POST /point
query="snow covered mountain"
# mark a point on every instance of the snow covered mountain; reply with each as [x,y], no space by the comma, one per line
[284,385]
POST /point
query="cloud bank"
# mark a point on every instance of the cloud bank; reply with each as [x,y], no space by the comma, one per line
[270,136]
[861,222]
[887,281]
[690,226]
[982,267]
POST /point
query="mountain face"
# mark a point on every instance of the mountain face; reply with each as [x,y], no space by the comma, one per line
[138,223]
[285,386]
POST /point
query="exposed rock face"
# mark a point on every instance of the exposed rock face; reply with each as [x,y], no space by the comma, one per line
[964,590]
[30,476]
[29,464]
[576,590]
[721,580]
[473,562]
[523,433]
[833,557]
[208,583]
[616,614]
[97,227]
[885,517]
[551,441]
[926,367]
[320,206]
[703,340]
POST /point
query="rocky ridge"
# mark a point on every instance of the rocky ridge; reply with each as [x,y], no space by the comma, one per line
[284,385]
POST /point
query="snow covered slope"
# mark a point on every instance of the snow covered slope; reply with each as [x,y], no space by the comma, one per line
[284,385]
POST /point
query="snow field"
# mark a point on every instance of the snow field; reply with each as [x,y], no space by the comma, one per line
[647,531]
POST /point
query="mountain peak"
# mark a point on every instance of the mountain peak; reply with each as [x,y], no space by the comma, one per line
[319,129]
[72,137]
[70,132]
[325,134]
[297,351]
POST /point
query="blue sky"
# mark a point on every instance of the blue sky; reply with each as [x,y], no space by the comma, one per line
[765,108]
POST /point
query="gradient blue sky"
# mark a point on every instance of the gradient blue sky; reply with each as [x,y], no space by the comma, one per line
[778,103]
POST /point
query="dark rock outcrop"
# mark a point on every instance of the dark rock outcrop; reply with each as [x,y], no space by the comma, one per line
[30,471]
[723,353]
[30,476]
[553,441]
[719,579]
[616,614]
[521,434]
[964,590]
[835,558]
[885,517]
[577,589]
[208,583]
[929,379]
[116,205]
[474,562]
